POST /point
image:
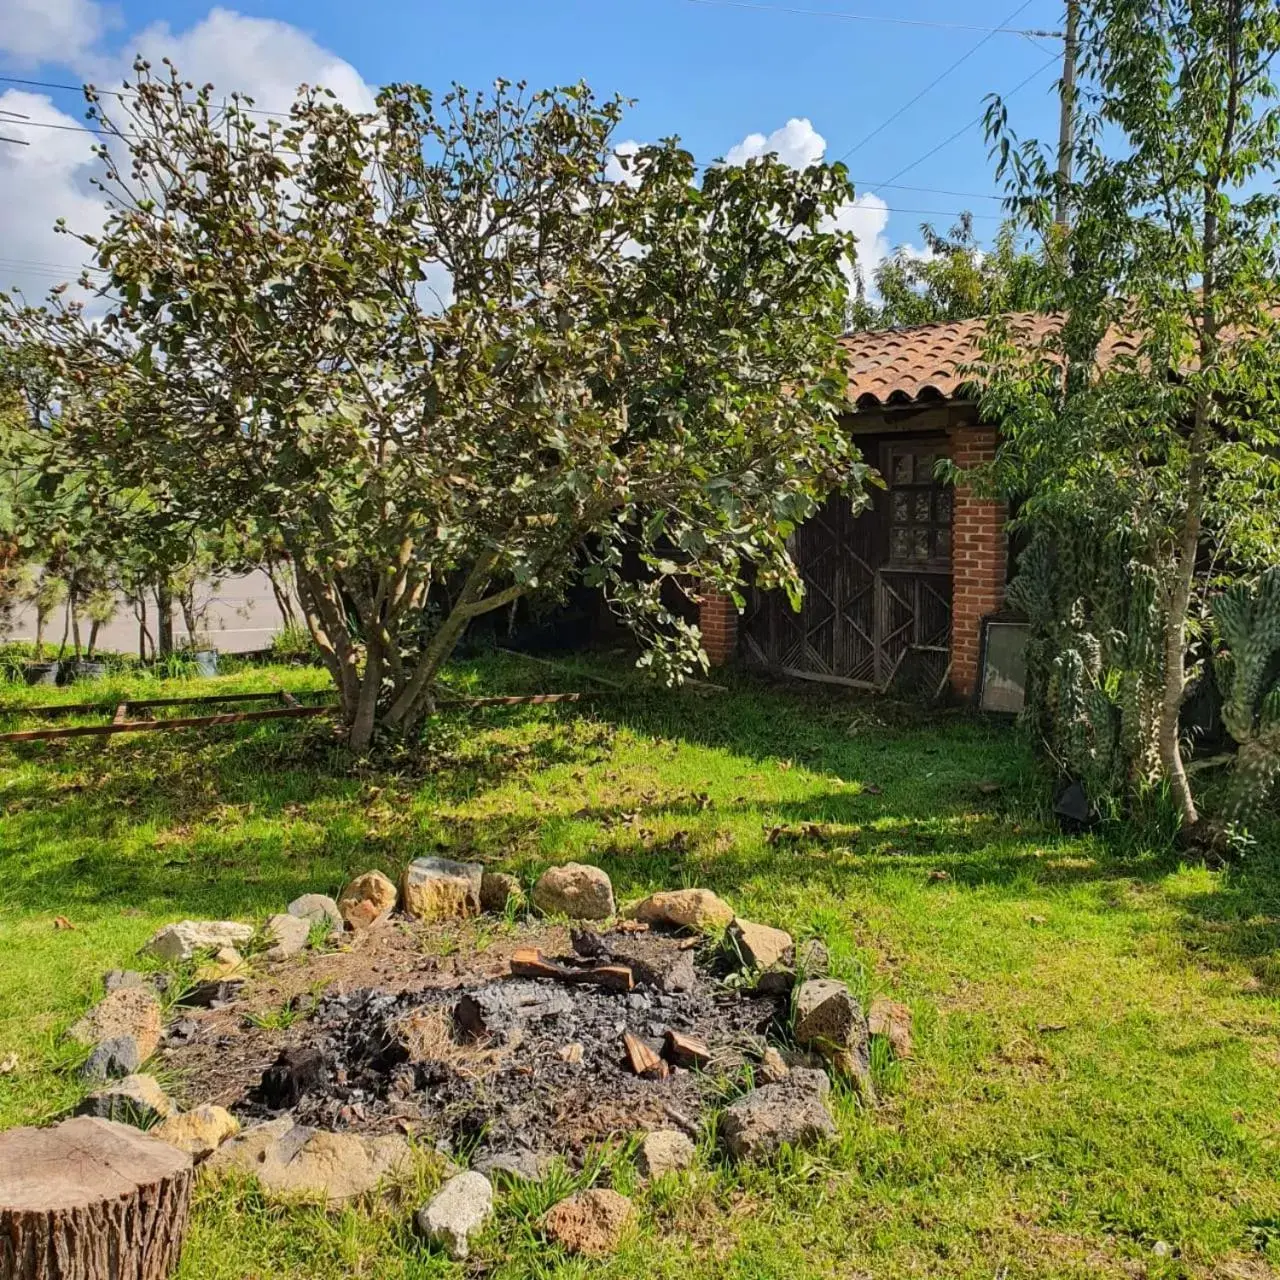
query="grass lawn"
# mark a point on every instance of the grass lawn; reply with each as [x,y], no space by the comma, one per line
[1096,1086]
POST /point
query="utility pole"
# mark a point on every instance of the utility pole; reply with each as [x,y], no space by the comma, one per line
[1066,118]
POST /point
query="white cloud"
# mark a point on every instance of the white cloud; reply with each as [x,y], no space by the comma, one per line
[799,145]
[36,31]
[261,57]
[614,168]
[49,178]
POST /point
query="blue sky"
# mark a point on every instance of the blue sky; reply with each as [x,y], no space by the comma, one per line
[715,73]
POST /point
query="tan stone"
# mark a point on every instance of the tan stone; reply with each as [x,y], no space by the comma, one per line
[576,890]
[126,1011]
[589,1223]
[498,889]
[177,943]
[891,1019]
[368,900]
[226,963]
[665,1151]
[440,889]
[290,1160]
[760,945]
[200,1131]
[697,909]
[137,1100]
[773,1067]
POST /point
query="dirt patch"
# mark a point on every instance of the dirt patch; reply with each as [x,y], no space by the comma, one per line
[391,1035]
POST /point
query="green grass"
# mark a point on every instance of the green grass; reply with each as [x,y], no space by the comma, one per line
[1097,1061]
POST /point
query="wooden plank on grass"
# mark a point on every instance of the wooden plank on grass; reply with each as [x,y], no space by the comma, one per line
[153,726]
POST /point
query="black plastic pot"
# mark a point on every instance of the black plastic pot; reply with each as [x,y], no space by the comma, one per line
[41,672]
[83,669]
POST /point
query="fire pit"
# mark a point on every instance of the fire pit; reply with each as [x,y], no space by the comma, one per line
[545,1041]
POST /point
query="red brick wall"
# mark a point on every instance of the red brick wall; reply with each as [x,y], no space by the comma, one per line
[979,559]
[718,620]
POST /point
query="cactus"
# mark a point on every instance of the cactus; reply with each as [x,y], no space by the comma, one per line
[1093,657]
[1247,621]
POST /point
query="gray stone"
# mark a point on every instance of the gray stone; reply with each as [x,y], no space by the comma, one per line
[288,934]
[115,979]
[497,889]
[117,1056]
[791,1113]
[760,945]
[178,943]
[575,890]
[828,1018]
[316,908]
[137,1100]
[520,1166]
[665,1151]
[456,1212]
[292,1160]
[440,889]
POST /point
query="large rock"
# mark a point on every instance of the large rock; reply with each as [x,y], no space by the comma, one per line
[291,1160]
[665,1151]
[439,889]
[132,1012]
[498,889]
[178,943]
[226,963]
[516,1166]
[697,909]
[456,1212]
[288,934]
[200,1131]
[368,900]
[792,1113]
[829,1018]
[590,1223]
[575,890]
[316,908]
[760,945]
[137,1100]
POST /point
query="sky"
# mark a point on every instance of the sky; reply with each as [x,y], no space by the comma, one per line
[896,91]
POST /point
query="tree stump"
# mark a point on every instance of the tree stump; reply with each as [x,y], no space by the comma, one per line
[90,1199]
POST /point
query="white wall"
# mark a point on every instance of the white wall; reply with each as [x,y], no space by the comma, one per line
[242,616]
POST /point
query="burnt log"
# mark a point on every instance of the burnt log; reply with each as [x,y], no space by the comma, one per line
[495,1011]
[643,1061]
[529,962]
[90,1199]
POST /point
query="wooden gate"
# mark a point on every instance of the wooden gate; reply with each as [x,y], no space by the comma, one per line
[877,600]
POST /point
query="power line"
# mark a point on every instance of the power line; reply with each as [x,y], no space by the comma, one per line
[116,93]
[933,84]
[977,120]
[875,17]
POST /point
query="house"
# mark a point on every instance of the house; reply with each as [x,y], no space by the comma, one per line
[911,579]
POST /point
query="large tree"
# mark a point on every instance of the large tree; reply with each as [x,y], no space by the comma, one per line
[456,350]
[1144,430]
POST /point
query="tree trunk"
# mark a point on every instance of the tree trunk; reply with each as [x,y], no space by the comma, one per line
[42,621]
[93,639]
[366,710]
[164,620]
[90,1199]
[281,591]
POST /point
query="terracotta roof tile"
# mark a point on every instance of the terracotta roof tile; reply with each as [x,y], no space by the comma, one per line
[923,363]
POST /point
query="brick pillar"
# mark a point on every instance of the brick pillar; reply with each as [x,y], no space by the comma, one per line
[979,559]
[718,621]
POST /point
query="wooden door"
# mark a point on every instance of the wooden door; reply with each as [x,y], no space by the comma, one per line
[877,599]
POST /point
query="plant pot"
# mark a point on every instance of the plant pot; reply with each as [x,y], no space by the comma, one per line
[41,672]
[206,661]
[83,669]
